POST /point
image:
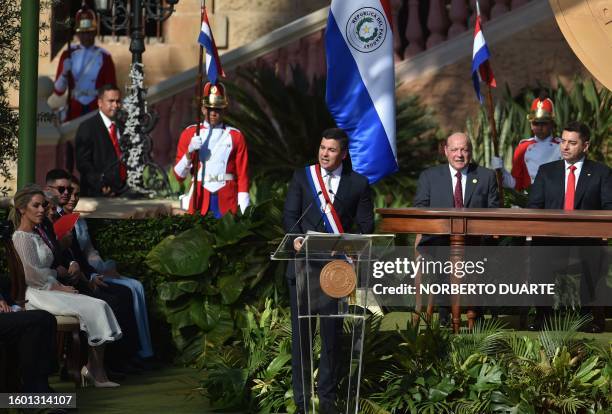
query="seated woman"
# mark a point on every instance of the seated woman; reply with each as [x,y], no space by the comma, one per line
[109,270]
[46,293]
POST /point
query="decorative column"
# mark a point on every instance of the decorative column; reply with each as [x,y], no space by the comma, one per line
[500,7]
[458,15]
[397,36]
[437,23]
[414,30]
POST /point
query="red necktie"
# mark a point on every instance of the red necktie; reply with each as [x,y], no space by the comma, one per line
[115,141]
[570,189]
[458,195]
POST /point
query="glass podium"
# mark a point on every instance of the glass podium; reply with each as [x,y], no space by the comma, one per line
[332,282]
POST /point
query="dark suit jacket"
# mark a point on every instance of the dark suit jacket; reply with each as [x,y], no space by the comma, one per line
[435,189]
[353,203]
[96,159]
[593,191]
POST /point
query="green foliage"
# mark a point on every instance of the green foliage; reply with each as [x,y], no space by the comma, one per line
[209,272]
[9,78]
[255,370]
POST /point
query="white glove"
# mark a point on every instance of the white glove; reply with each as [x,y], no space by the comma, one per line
[195,144]
[496,163]
[243,201]
[67,67]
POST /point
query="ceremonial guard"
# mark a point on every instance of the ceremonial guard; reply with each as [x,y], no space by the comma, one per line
[83,69]
[532,152]
[219,155]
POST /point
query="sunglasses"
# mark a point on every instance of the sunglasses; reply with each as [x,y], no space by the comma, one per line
[61,189]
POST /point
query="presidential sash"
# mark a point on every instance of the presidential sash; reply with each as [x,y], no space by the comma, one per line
[331,219]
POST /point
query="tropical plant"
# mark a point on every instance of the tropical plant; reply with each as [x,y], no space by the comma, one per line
[255,370]
[209,272]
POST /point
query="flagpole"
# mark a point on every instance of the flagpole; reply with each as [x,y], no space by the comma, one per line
[195,158]
[491,115]
[494,142]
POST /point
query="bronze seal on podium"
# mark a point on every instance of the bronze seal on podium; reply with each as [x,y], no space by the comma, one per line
[338,279]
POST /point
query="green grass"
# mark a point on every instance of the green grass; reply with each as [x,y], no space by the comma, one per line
[167,390]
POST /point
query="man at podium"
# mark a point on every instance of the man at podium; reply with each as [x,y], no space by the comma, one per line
[325,197]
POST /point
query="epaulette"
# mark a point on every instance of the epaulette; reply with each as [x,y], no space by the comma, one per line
[526,140]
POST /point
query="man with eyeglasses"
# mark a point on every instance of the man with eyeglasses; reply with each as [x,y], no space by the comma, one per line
[532,152]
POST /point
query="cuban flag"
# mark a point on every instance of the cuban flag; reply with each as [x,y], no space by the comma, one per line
[206,39]
[361,82]
[481,67]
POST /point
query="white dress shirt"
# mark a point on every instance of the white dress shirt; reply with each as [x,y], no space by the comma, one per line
[578,165]
[332,181]
[107,123]
[453,172]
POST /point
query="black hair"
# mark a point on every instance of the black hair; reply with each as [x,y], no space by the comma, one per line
[339,135]
[580,128]
[57,174]
[106,87]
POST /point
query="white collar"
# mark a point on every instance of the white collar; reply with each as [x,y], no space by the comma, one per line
[336,173]
[453,171]
[206,125]
[107,121]
[578,164]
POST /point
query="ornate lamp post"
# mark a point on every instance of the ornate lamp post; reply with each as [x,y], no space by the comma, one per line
[144,175]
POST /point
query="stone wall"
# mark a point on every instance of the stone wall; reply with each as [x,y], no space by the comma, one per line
[539,55]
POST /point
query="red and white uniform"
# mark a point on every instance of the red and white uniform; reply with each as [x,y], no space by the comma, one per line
[529,155]
[91,68]
[225,171]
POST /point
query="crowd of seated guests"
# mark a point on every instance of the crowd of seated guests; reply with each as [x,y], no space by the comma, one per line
[67,276]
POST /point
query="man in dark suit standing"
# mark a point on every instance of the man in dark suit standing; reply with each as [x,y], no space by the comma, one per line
[98,154]
[460,184]
[342,204]
[575,183]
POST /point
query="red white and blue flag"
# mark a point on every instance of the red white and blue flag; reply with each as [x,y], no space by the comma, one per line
[481,67]
[361,82]
[206,39]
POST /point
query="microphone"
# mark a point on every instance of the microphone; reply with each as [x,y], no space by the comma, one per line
[299,220]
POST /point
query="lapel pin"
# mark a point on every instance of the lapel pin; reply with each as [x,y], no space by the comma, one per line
[475,180]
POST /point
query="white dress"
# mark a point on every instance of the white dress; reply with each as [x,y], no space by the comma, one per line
[95,316]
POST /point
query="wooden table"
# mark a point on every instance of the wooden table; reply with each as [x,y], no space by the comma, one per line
[460,223]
